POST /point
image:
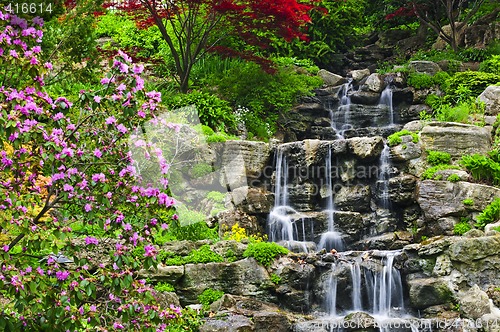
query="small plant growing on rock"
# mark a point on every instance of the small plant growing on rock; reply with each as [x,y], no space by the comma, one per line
[209,296]
[429,174]
[461,228]
[395,138]
[438,158]
[240,234]
[490,214]
[164,287]
[265,252]
[276,279]
[468,202]
[453,178]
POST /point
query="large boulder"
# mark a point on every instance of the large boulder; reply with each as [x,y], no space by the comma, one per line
[427,292]
[243,161]
[353,198]
[439,199]
[359,74]
[331,79]
[424,67]
[455,138]
[471,249]
[366,148]
[244,277]
[252,200]
[491,99]
[474,303]
[374,83]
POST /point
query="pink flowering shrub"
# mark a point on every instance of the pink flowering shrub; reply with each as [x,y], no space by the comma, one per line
[63,162]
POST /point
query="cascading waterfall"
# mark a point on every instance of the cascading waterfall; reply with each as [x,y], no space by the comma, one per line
[356,286]
[384,175]
[331,296]
[343,109]
[281,220]
[386,99]
[331,239]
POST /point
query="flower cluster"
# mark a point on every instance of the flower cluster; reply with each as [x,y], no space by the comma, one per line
[63,163]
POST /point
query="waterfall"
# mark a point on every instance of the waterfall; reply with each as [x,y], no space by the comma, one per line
[386,99]
[331,295]
[384,175]
[331,239]
[385,289]
[356,286]
[282,219]
[343,109]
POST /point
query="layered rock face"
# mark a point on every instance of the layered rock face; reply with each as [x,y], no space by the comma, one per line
[325,172]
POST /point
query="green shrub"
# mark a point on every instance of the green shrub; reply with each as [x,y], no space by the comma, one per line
[429,174]
[395,138]
[482,168]
[468,202]
[471,83]
[276,279]
[264,252]
[202,255]
[420,81]
[164,287]
[473,54]
[262,97]
[490,214]
[461,228]
[209,296]
[437,158]
[210,109]
[491,65]
[453,178]
[194,232]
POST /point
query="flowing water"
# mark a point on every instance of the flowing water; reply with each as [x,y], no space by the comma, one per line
[386,99]
[384,176]
[340,117]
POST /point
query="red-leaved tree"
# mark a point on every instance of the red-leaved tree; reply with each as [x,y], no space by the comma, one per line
[193,27]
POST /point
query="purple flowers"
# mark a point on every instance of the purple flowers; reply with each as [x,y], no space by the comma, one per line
[62,275]
[91,240]
[97,153]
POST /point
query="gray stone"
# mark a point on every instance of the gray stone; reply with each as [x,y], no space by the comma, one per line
[164,273]
[353,198]
[244,277]
[435,245]
[406,151]
[472,249]
[243,161]
[455,138]
[439,199]
[233,323]
[252,200]
[414,126]
[331,79]
[375,83]
[365,97]
[428,292]
[402,189]
[360,322]
[491,99]
[366,148]
[424,67]
[474,303]
[359,74]
[271,321]
[165,299]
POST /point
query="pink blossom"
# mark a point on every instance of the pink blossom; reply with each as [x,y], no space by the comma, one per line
[97,153]
[91,240]
[62,275]
[97,99]
[6,248]
[117,325]
[88,207]
[68,187]
[110,120]
[150,251]
[121,128]
[121,87]
[13,54]
[105,81]
[127,227]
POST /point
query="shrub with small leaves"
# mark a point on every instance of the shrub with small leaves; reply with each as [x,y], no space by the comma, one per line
[437,158]
[209,296]
[490,214]
[468,202]
[461,228]
[265,252]
[395,138]
[164,287]
[453,178]
[430,173]
[276,279]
